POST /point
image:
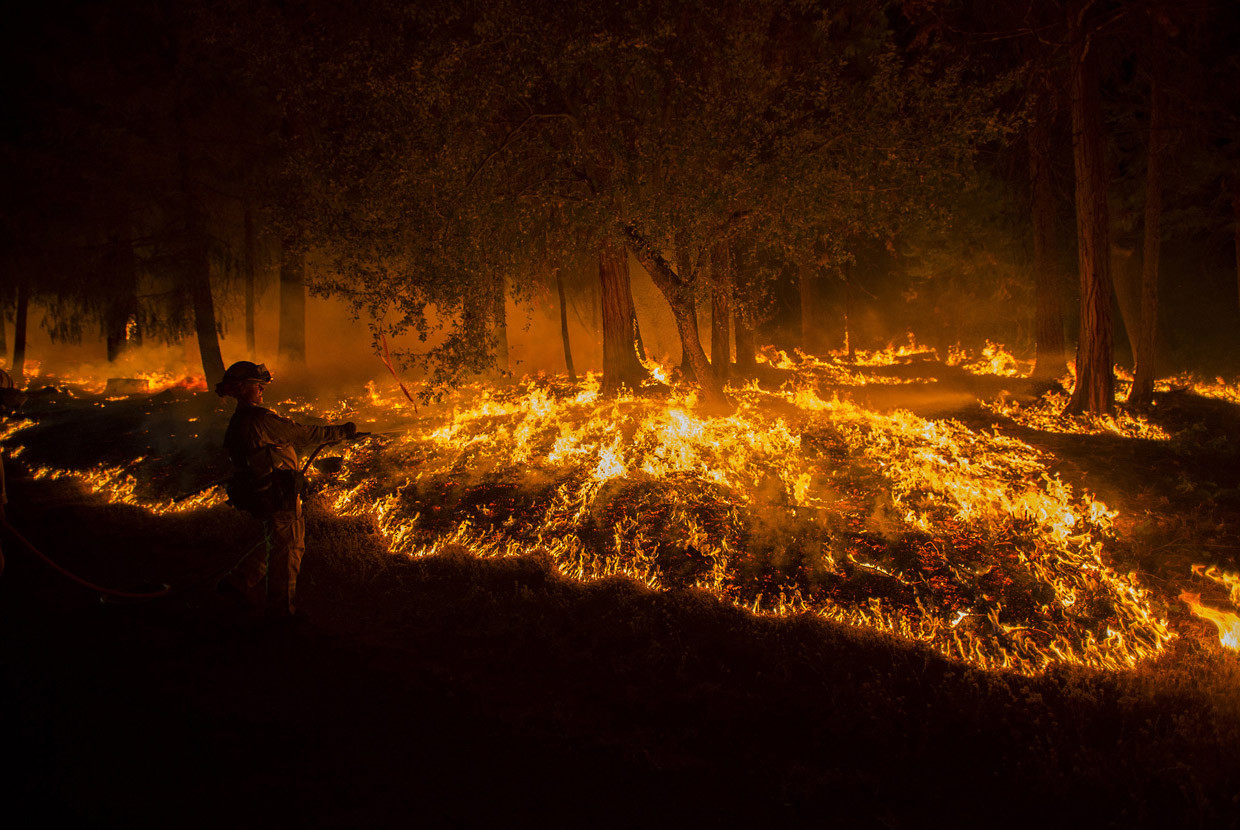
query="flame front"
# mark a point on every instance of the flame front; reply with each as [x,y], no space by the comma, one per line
[797,502]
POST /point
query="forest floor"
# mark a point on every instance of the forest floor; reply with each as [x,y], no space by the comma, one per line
[455,691]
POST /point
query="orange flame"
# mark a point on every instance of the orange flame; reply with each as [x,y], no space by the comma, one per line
[1228,624]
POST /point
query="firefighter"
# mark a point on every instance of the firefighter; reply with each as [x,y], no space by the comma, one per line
[267,482]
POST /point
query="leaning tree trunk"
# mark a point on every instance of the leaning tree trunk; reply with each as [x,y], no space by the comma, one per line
[292,336]
[568,349]
[499,315]
[621,368]
[721,313]
[679,296]
[746,350]
[1142,393]
[19,333]
[249,266]
[1095,378]
[1050,359]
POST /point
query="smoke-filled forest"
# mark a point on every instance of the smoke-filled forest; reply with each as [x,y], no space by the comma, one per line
[771,412]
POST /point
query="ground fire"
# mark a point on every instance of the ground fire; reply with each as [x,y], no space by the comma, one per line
[802,500]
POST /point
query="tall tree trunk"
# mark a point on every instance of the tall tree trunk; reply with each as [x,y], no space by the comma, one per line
[721,313]
[1050,360]
[746,351]
[197,258]
[1142,393]
[121,264]
[568,349]
[1095,377]
[679,296]
[1235,211]
[809,319]
[19,334]
[198,282]
[621,368]
[1126,281]
[4,334]
[249,266]
[499,314]
[292,336]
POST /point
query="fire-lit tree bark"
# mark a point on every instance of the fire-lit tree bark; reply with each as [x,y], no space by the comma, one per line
[1235,212]
[1095,378]
[121,307]
[746,350]
[809,323]
[4,334]
[1142,393]
[1050,359]
[721,313]
[679,296]
[292,336]
[499,314]
[249,265]
[19,333]
[568,348]
[197,265]
[621,368]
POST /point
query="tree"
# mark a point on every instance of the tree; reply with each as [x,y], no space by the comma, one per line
[1142,393]
[1050,355]
[1095,377]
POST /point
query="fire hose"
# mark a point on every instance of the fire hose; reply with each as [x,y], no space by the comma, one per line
[166,589]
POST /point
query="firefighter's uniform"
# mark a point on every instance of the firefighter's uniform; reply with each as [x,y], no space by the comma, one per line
[265,443]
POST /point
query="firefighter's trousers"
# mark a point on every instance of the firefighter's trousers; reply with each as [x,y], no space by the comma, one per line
[269,574]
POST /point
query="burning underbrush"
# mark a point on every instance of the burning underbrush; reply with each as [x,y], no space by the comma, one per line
[800,500]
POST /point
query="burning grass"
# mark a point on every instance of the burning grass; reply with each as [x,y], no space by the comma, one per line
[799,501]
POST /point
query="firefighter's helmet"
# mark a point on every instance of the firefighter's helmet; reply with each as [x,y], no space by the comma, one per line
[241,372]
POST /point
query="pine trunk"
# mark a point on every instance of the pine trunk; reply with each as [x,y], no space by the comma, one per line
[122,306]
[1235,211]
[568,349]
[197,260]
[621,368]
[809,321]
[198,282]
[1126,280]
[250,268]
[1050,361]
[1142,393]
[19,334]
[292,336]
[1095,378]
[4,334]
[721,314]
[499,314]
